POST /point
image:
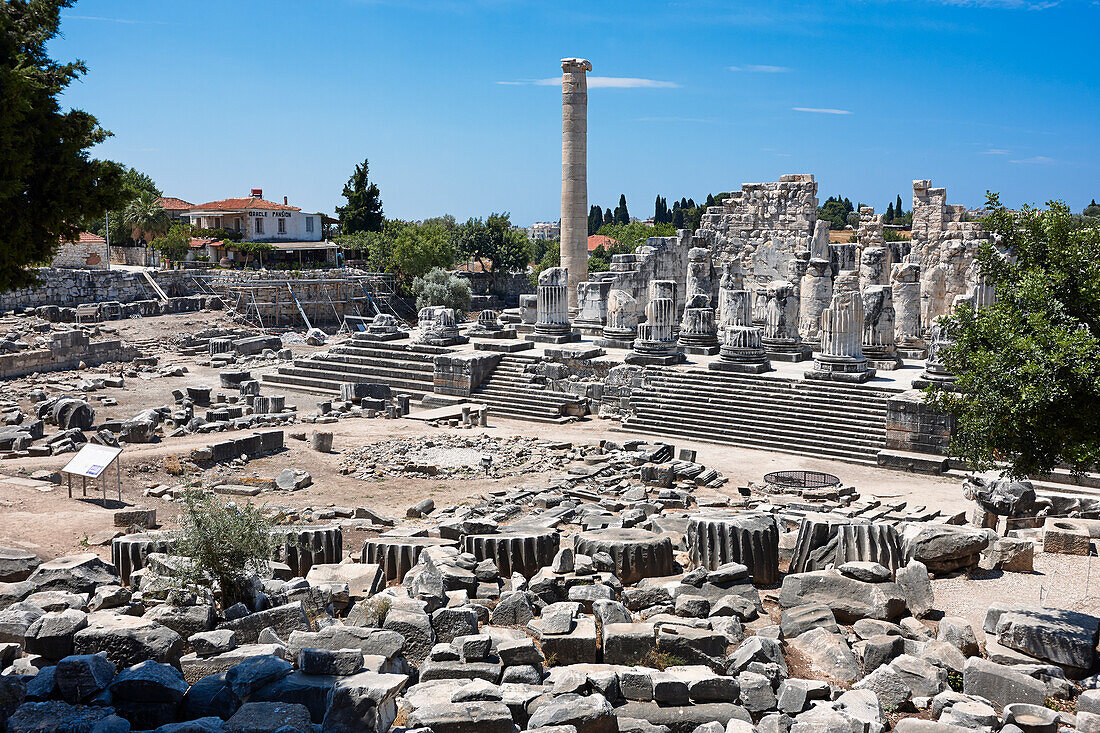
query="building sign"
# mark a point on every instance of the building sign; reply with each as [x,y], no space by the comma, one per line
[280,214]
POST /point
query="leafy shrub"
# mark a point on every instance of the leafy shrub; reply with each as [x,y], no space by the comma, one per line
[225,542]
[439,287]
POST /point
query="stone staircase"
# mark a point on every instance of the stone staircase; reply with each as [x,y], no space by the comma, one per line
[511,392]
[816,419]
[404,367]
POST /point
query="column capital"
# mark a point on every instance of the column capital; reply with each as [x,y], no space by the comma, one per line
[581,65]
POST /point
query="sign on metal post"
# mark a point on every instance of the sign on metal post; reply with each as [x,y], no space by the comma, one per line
[92,462]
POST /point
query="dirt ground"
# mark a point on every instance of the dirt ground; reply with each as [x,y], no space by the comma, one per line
[46,521]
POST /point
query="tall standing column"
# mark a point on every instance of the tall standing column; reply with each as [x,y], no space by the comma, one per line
[574,172]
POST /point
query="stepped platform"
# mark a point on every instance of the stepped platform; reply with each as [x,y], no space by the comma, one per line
[831,421]
[511,391]
[405,367]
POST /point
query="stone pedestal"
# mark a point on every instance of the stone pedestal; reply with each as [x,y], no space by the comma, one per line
[574,173]
[303,547]
[398,555]
[698,330]
[878,328]
[742,349]
[841,358]
[656,343]
[437,327]
[622,321]
[781,339]
[935,371]
[515,551]
[592,302]
[528,309]
[750,539]
[552,323]
[636,553]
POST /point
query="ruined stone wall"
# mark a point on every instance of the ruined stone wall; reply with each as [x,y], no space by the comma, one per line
[68,288]
[945,245]
[762,226]
[660,258]
[84,255]
[67,350]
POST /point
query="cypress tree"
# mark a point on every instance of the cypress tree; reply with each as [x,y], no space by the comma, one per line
[889,218]
[710,200]
[622,215]
[677,217]
[898,209]
[608,217]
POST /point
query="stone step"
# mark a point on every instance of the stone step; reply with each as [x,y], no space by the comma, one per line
[314,380]
[373,370]
[708,377]
[530,399]
[808,419]
[747,441]
[806,434]
[808,390]
[717,395]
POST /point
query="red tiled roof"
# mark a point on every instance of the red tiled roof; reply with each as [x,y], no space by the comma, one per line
[251,202]
[595,240]
[88,238]
[171,203]
[199,242]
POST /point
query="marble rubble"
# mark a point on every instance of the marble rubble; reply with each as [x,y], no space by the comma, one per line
[606,596]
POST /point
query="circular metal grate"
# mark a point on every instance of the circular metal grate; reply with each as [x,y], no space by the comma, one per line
[802,479]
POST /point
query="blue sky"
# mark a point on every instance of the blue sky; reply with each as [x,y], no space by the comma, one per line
[454,103]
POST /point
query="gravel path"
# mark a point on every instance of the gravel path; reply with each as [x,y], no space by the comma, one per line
[1059,581]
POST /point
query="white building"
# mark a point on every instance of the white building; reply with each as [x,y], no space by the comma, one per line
[543,230]
[257,219]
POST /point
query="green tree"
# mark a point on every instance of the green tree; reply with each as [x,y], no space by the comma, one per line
[224,542]
[595,220]
[363,212]
[608,217]
[49,184]
[174,245]
[1092,209]
[550,257]
[898,208]
[1028,367]
[420,246]
[145,217]
[889,217]
[677,216]
[622,214]
[439,287]
[494,244]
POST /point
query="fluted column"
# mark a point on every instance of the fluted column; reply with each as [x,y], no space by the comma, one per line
[841,356]
[742,348]
[878,327]
[905,280]
[656,343]
[815,293]
[622,320]
[574,173]
[781,339]
[552,308]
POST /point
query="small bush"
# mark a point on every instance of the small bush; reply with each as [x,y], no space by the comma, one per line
[439,287]
[225,543]
[661,660]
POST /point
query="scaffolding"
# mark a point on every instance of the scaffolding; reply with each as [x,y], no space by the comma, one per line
[302,303]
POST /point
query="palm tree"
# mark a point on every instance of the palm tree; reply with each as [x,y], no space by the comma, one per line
[146,217]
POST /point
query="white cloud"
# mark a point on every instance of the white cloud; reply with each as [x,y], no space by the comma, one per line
[127,21]
[823,110]
[1037,159]
[995,151]
[596,82]
[761,68]
[1004,4]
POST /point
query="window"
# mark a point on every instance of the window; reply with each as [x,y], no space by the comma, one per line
[282,226]
[259,225]
[309,224]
